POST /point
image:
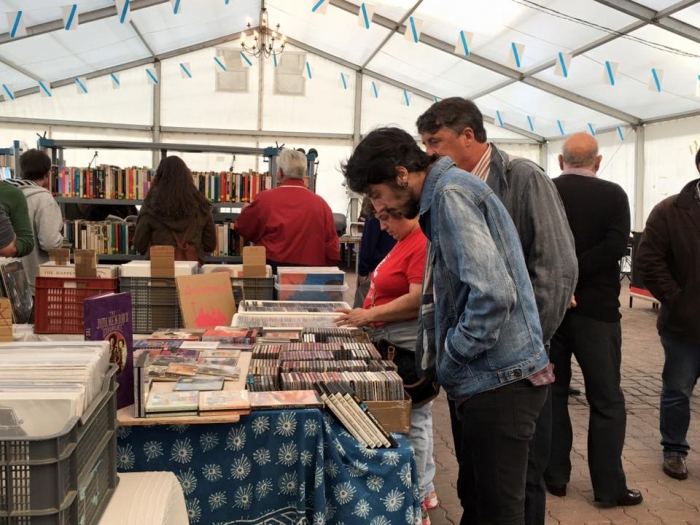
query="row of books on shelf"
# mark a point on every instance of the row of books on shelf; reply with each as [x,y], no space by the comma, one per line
[108,182]
[117,237]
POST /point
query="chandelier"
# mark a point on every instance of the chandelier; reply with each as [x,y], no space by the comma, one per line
[265,39]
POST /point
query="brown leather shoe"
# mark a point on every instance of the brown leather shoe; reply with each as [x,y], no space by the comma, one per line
[631,497]
[675,467]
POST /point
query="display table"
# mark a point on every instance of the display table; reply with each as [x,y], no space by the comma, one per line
[282,466]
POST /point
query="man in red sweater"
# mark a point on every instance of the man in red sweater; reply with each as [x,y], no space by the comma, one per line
[294,224]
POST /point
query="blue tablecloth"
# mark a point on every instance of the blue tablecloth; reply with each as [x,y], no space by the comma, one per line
[289,466]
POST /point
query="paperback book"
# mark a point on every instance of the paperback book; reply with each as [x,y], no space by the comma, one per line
[108,318]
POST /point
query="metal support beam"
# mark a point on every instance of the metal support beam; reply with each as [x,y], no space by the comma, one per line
[19,69]
[498,68]
[346,137]
[156,112]
[44,123]
[649,16]
[639,171]
[142,39]
[544,156]
[135,63]
[391,33]
[83,18]
[357,119]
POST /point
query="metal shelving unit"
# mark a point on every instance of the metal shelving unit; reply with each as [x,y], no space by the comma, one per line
[14,152]
[55,148]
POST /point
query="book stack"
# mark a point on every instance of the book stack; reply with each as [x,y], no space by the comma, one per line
[354,415]
[174,367]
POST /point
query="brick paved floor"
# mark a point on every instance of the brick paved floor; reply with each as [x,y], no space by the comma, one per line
[666,501]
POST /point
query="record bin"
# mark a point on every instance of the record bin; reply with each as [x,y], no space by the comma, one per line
[65,479]
[154,303]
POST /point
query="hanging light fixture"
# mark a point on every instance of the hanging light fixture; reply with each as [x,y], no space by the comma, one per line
[265,40]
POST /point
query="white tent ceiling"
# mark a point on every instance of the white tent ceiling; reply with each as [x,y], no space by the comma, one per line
[636,35]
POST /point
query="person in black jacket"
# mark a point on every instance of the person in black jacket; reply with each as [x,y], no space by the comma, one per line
[668,258]
[599,216]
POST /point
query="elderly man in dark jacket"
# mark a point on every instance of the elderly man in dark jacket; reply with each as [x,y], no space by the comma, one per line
[669,260]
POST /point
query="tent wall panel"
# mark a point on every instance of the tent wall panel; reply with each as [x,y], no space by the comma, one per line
[325,107]
[194,102]
[132,103]
[669,158]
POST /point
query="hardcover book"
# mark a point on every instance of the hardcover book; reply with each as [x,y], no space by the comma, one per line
[108,318]
[50,269]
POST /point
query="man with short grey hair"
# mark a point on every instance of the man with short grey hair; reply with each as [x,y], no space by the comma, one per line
[295,225]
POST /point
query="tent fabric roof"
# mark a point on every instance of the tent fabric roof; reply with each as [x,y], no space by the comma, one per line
[636,37]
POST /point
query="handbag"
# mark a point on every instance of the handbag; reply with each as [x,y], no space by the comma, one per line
[421,390]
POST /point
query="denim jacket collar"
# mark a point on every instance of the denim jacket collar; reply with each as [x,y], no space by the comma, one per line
[440,167]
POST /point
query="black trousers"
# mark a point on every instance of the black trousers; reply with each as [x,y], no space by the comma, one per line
[496,429]
[597,347]
[537,460]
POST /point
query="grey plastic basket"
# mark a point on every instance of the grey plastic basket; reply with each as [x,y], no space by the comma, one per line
[154,303]
[66,479]
[255,288]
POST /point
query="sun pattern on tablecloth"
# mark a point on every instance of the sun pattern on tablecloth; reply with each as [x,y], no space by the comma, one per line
[289,466]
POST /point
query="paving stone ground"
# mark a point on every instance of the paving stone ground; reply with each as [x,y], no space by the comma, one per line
[666,501]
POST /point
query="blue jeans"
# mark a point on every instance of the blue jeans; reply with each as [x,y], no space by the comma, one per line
[421,434]
[681,372]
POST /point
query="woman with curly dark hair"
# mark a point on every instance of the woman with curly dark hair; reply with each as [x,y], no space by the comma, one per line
[175,213]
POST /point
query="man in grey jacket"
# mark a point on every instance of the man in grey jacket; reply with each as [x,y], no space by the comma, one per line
[44,213]
[454,127]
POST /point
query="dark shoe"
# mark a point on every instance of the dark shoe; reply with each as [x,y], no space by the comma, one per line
[557,490]
[631,497]
[574,392]
[675,467]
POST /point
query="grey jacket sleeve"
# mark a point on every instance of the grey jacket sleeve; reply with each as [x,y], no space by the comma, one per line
[48,224]
[550,252]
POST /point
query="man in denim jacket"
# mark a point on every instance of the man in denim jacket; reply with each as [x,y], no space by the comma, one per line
[489,356]
[455,127]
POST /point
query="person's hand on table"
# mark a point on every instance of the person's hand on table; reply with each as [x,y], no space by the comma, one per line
[356,317]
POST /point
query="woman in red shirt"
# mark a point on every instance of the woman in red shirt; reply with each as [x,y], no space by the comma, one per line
[391,312]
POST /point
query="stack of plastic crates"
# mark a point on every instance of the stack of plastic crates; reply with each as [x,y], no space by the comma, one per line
[66,479]
[154,303]
[59,302]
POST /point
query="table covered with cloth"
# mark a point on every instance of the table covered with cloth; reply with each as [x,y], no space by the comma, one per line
[295,466]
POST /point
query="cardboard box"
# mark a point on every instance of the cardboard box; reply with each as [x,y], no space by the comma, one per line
[85,263]
[162,261]
[206,300]
[254,258]
[395,416]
